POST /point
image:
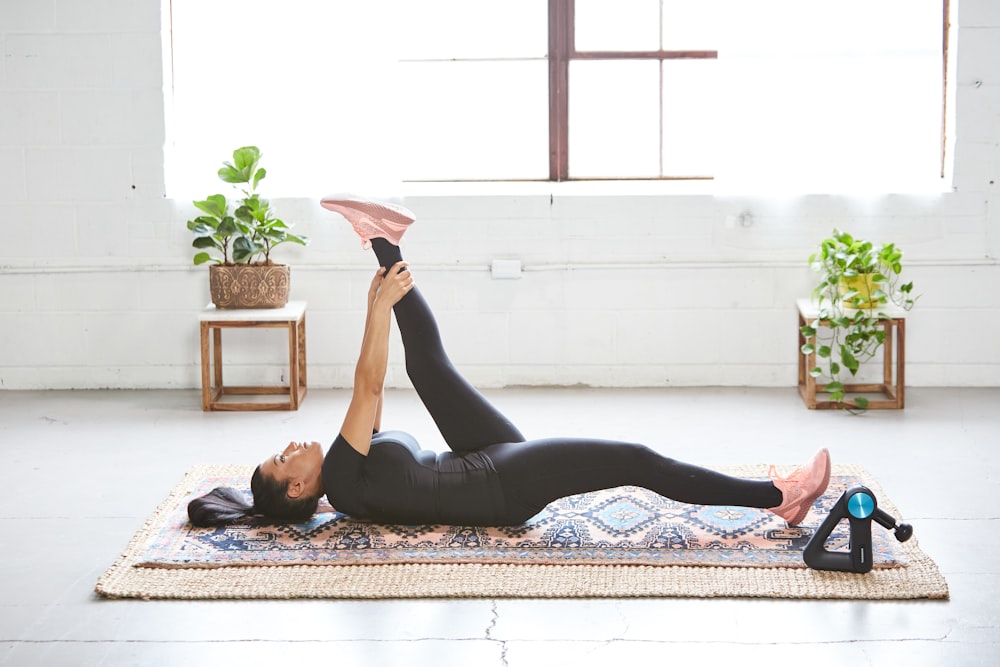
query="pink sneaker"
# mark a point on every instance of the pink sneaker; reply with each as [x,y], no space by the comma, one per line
[801,488]
[371,219]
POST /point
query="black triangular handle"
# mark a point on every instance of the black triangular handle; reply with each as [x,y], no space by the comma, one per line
[859,506]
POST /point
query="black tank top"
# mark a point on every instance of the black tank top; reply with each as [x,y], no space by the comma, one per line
[398,482]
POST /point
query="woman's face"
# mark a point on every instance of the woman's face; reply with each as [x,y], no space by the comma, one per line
[300,464]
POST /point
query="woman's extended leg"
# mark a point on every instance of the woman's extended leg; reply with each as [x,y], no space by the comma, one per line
[537,472]
[467,421]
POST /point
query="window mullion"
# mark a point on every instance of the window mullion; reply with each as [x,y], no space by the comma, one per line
[642,55]
[946,23]
[560,47]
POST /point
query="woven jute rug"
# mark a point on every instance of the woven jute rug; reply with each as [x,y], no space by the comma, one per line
[625,542]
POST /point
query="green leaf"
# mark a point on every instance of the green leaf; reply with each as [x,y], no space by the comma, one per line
[231,174]
[808,349]
[214,205]
[861,402]
[273,235]
[258,177]
[246,157]
[848,359]
[824,351]
[206,242]
[254,208]
[227,227]
[816,372]
[300,239]
[244,250]
[244,214]
[836,391]
[243,228]
[834,368]
[203,257]
[808,331]
[202,226]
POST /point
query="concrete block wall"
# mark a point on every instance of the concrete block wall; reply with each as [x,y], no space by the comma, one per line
[648,287]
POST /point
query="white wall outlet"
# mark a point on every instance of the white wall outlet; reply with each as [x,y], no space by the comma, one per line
[506,269]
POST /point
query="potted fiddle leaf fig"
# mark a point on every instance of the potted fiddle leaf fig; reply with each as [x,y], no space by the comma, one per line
[236,238]
[858,281]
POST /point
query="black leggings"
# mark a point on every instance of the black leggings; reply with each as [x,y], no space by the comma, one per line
[534,473]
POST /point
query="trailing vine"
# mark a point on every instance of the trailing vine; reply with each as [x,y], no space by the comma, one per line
[858,280]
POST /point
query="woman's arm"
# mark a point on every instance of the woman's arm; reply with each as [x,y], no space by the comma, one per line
[377,424]
[372,293]
[364,412]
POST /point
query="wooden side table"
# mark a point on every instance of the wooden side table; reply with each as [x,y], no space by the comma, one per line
[292,317]
[893,370]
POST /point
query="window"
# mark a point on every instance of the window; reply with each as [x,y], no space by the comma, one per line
[759,95]
[838,96]
[476,81]
[311,83]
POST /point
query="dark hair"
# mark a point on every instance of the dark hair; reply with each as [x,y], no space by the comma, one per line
[223,506]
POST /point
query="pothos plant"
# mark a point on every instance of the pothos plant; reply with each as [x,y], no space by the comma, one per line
[244,231]
[857,279]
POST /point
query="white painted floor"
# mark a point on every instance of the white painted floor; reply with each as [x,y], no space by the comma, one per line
[82,470]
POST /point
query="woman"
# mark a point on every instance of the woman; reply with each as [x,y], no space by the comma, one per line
[492,475]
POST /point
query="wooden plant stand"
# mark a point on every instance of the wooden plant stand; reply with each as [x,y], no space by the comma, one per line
[893,371]
[292,317]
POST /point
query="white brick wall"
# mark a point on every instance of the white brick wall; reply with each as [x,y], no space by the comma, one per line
[96,287]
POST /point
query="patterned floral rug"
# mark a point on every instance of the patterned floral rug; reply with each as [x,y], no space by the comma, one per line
[626,525]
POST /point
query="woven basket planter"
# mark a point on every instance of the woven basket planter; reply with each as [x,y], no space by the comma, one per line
[249,285]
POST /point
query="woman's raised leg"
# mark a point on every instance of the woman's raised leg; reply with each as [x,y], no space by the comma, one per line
[467,420]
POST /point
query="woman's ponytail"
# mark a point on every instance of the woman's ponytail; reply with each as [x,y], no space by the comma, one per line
[220,507]
[223,506]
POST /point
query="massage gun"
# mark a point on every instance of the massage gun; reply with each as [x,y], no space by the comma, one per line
[859,507]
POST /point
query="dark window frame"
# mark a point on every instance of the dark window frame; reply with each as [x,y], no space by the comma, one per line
[562,50]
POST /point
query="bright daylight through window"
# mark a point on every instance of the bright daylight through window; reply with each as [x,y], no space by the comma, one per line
[794,97]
